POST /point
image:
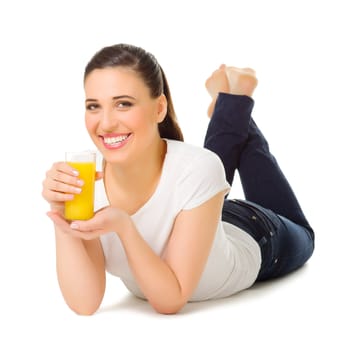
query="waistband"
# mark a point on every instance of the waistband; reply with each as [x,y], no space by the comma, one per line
[258,222]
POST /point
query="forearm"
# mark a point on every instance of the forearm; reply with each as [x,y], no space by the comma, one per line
[156,279]
[80,274]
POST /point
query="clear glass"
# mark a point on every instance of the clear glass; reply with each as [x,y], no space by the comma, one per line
[82,206]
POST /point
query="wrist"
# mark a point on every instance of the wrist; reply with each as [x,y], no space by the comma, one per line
[124,223]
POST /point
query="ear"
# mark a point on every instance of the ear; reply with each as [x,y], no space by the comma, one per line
[161,108]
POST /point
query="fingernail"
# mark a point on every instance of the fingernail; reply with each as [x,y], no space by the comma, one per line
[74,226]
[80,182]
[75,172]
[77,189]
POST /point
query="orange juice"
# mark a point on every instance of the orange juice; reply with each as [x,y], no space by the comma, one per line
[82,206]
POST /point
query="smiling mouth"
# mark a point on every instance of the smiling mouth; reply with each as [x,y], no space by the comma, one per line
[115,141]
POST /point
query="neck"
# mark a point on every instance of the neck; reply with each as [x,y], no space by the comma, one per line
[143,173]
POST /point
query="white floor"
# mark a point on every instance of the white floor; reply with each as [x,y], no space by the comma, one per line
[298,51]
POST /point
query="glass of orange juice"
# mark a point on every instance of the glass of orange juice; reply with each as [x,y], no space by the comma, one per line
[82,206]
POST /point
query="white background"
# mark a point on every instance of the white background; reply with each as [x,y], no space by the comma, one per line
[298,51]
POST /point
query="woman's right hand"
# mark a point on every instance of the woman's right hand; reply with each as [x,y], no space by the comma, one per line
[60,185]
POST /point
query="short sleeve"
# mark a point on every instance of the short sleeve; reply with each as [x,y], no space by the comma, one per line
[203,178]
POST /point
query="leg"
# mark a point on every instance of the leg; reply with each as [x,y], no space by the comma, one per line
[234,136]
[227,132]
[285,246]
[286,239]
[263,181]
[228,129]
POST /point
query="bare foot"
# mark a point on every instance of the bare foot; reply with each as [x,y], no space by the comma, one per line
[216,83]
[242,81]
[231,80]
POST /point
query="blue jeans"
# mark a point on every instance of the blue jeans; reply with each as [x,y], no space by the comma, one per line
[270,212]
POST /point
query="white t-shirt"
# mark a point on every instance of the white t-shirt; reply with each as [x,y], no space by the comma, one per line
[190,176]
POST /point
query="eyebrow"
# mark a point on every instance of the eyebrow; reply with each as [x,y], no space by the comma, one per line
[113,98]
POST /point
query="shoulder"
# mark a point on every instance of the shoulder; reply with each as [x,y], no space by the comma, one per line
[196,173]
[186,154]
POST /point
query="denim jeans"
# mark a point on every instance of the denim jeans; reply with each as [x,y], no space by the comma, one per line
[270,212]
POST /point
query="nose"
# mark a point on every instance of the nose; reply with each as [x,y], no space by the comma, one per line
[109,120]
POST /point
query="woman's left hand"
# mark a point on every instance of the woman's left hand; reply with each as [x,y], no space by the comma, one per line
[105,220]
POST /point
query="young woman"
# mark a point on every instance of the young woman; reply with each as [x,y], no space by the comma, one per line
[163,223]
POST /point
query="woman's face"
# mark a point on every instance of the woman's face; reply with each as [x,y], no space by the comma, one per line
[121,117]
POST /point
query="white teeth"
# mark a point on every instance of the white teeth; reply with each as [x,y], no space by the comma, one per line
[116,139]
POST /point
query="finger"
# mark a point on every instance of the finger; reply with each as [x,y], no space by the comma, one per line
[60,187]
[86,230]
[99,175]
[61,167]
[91,225]
[62,172]
[53,191]
[65,227]
[65,167]
[70,178]
[61,179]
[53,196]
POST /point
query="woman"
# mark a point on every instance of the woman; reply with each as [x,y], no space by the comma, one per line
[163,223]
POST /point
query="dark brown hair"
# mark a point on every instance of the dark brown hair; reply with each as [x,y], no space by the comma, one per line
[148,68]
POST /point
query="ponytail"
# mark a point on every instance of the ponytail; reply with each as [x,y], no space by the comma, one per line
[169,127]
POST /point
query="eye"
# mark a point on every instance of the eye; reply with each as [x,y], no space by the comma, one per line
[92,106]
[124,104]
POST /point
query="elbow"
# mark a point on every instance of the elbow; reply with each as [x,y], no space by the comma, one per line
[171,304]
[83,307]
[169,308]
[168,311]
[85,310]
[86,304]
